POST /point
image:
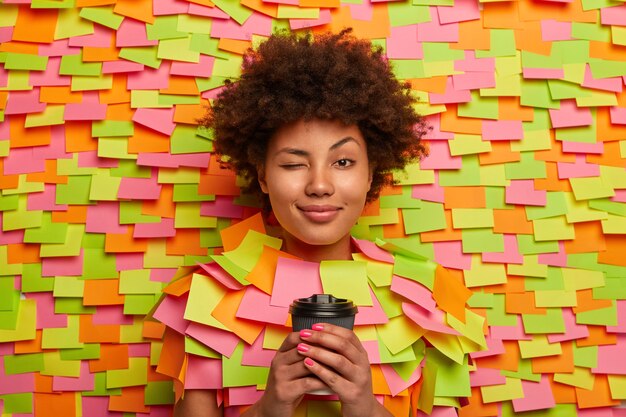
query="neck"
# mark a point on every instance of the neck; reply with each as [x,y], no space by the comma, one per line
[341,250]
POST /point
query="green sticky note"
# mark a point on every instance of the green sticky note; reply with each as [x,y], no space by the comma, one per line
[605,68]
[70,24]
[479,107]
[135,375]
[71,246]
[510,390]
[408,68]
[533,140]
[526,168]
[480,300]
[98,265]
[481,240]
[130,213]
[71,306]
[286,11]
[10,311]
[389,301]
[100,389]
[137,281]
[551,322]
[25,62]
[114,148]
[156,257]
[188,216]
[197,348]
[346,279]
[613,289]
[204,44]
[555,206]
[413,174]
[404,14]
[48,232]
[22,218]
[189,192]
[535,93]
[52,115]
[139,304]
[17,403]
[187,23]
[600,317]
[556,298]
[553,228]
[178,49]
[406,368]
[502,43]
[104,187]
[235,375]
[234,9]
[112,128]
[103,16]
[497,316]
[585,356]
[185,140]
[87,351]
[580,134]
[23,363]
[229,67]
[74,65]
[452,378]
[9,296]
[466,144]
[146,55]
[159,393]
[404,200]
[529,246]
[32,281]
[75,192]
[468,175]
[62,337]
[580,279]
[420,270]
[591,187]
[524,371]
[431,216]
[247,254]
[380,273]
[25,323]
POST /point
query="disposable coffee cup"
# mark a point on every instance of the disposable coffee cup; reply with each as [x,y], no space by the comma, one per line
[322,308]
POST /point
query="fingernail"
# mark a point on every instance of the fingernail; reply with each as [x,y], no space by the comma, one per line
[309,362]
[302,347]
[305,333]
[318,326]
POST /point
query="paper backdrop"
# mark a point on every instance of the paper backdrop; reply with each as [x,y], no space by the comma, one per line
[107,185]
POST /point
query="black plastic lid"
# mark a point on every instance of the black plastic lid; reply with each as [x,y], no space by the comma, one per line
[323,305]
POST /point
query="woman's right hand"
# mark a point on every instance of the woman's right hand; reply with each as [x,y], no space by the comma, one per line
[288,381]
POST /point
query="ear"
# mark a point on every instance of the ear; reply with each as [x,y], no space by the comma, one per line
[261,176]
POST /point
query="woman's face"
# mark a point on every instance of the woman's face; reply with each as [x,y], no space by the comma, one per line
[317,176]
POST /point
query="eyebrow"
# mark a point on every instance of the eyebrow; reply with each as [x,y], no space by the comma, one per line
[301,152]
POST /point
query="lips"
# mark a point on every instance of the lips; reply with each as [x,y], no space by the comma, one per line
[320,213]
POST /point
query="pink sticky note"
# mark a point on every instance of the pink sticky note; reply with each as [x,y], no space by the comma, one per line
[523,192]
[165,228]
[413,291]
[255,305]
[255,355]
[502,130]
[161,120]
[486,376]
[59,47]
[139,188]
[618,115]
[554,259]
[402,43]
[56,148]
[204,67]
[573,330]
[169,7]
[543,73]
[15,384]
[435,133]
[217,272]
[150,78]
[429,320]
[439,411]
[372,349]
[463,10]
[510,332]
[474,80]
[85,382]
[99,407]
[372,251]
[450,254]
[112,67]
[166,160]
[298,24]
[511,254]
[295,279]
[439,157]
[611,358]
[129,261]
[615,15]
[373,314]
[553,30]
[613,84]
[395,382]
[46,317]
[223,206]
[537,396]
[200,10]
[62,266]
[139,350]
[428,192]
[162,274]
[4,76]
[23,102]
[569,115]
[100,38]
[171,311]
[580,147]
[104,217]
[473,64]
[256,24]
[89,109]
[90,159]
[219,340]
[243,395]
[10,237]
[6,33]
[49,77]
[203,373]
[113,314]
[22,161]
[579,169]
[435,31]
[451,95]
[494,347]
[363,11]
[132,32]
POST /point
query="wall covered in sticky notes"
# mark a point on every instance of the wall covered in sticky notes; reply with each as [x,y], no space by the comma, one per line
[107,185]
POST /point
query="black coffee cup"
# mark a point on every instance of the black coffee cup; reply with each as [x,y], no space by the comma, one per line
[322,308]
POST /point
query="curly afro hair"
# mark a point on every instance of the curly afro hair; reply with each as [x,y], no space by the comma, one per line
[290,77]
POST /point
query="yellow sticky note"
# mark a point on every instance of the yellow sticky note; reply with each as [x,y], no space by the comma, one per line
[510,390]
[591,187]
[346,279]
[26,323]
[204,295]
[553,228]
[555,298]
[581,378]
[274,337]
[399,333]
[63,337]
[483,274]
[156,256]
[55,366]
[529,268]
[614,225]
[135,375]
[465,144]
[71,247]
[580,279]
[617,385]
[380,273]
[471,329]
[447,344]
[538,347]
[247,254]
[463,218]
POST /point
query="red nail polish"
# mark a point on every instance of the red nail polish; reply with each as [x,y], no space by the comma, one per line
[309,362]
[302,347]
[318,326]
[305,333]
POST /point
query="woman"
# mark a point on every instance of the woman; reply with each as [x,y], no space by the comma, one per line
[315,126]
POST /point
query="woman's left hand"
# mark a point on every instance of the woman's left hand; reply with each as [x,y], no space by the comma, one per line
[338,358]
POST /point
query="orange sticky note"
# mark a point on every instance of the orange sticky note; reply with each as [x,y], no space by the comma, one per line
[588,238]
[511,221]
[233,235]
[233,45]
[225,312]
[615,250]
[262,275]
[57,404]
[522,303]
[210,185]
[447,234]
[563,363]
[148,140]
[162,207]
[117,93]
[49,176]
[112,356]
[599,396]
[78,137]
[260,6]
[464,197]
[181,85]
[59,95]
[21,137]
[137,9]
[102,292]
[500,153]
[131,400]
[125,242]
[190,113]
[451,122]
[450,293]
[35,25]
[509,108]
[185,242]
[102,333]
[74,215]
[432,84]
[472,36]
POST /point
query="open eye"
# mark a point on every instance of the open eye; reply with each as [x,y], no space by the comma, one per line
[344,162]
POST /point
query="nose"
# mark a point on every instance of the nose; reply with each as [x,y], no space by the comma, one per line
[319,182]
